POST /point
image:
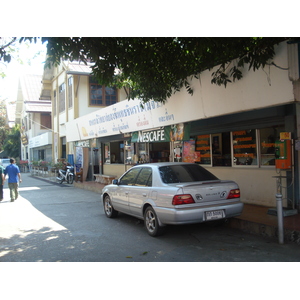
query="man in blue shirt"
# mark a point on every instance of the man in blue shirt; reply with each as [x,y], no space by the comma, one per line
[14,176]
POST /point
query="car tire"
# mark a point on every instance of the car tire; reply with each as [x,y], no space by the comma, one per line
[109,211]
[151,222]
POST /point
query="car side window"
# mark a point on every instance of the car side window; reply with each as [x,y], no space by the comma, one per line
[130,177]
[144,178]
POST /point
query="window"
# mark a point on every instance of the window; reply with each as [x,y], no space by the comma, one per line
[182,173]
[101,95]
[221,149]
[268,136]
[129,152]
[144,178]
[29,121]
[114,152]
[129,177]
[54,103]
[107,153]
[244,147]
[25,124]
[70,92]
[203,146]
[62,98]
[45,121]
[41,154]
[251,147]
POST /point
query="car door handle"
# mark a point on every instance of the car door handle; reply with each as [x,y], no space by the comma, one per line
[144,194]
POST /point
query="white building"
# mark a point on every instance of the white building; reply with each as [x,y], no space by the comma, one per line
[33,112]
[231,131]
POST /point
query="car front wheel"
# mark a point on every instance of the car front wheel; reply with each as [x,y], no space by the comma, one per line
[110,212]
[151,222]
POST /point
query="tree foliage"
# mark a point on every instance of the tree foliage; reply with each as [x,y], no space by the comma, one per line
[5,49]
[12,143]
[3,124]
[155,68]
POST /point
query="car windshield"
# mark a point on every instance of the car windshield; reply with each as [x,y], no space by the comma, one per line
[185,173]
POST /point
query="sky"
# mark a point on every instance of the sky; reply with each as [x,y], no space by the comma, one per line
[32,64]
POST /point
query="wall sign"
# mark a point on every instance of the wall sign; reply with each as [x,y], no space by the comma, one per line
[177,132]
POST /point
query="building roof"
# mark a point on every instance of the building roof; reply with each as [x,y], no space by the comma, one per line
[38,106]
[79,68]
[31,87]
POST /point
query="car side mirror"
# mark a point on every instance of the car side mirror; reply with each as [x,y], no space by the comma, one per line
[115,181]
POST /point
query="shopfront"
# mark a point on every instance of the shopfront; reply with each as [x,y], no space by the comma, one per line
[239,147]
[163,144]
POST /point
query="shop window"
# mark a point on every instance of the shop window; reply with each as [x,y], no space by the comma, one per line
[221,149]
[244,147]
[107,153]
[114,153]
[203,147]
[129,153]
[178,145]
[268,136]
[159,152]
[143,152]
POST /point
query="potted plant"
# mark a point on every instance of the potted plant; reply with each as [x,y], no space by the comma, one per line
[59,165]
[34,163]
[23,165]
[43,165]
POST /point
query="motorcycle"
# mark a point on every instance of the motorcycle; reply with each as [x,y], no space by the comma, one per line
[67,175]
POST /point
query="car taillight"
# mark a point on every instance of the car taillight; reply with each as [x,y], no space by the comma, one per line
[182,199]
[234,194]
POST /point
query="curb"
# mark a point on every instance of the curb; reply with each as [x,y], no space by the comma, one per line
[263,230]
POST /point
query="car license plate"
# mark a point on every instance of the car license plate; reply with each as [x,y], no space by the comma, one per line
[214,214]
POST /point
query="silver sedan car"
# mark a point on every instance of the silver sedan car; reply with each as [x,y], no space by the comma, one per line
[171,193]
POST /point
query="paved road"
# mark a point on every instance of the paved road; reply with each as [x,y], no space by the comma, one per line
[51,223]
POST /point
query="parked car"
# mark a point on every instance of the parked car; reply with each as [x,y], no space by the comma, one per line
[171,193]
[5,162]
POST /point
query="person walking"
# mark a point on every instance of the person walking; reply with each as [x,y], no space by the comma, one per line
[2,179]
[14,177]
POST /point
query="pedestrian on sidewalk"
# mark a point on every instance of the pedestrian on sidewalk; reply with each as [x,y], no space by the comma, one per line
[14,177]
[2,179]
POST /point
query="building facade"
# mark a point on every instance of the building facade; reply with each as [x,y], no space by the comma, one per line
[74,94]
[231,131]
[33,113]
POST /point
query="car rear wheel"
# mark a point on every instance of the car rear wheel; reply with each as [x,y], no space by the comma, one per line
[110,212]
[151,222]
